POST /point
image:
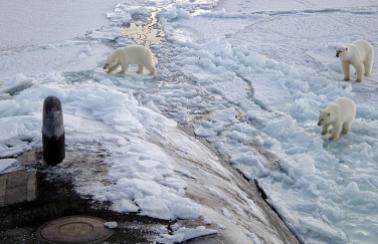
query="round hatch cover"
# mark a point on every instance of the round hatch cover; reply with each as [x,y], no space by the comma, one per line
[74,229]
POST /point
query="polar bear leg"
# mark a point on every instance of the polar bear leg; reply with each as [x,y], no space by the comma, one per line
[124,68]
[369,63]
[151,68]
[360,69]
[152,71]
[347,126]
[325,129]
[111,68]
[336,131]
[140,69]
[346,70]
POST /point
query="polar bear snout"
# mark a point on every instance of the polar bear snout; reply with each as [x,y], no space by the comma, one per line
[341,51]
[321,122]
[105,66]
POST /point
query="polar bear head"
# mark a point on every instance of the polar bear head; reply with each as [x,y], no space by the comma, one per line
[327,116]
[111,61]
[342,52]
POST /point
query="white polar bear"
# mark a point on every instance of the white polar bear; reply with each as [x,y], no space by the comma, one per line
[340,115]
[133,54]
[360,54]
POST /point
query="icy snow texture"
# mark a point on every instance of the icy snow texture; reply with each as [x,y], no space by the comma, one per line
[9,165]
[185,234]
[26,23]
[141,173]
[111,225]
[146,157]
[254,84]
[251,79]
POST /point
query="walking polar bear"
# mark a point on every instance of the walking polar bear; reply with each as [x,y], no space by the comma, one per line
[360,54]
[133,54]
[340,115]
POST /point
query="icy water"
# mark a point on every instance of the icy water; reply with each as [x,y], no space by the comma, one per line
[145,32]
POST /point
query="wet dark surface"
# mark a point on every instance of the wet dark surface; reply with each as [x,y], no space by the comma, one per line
[57,198]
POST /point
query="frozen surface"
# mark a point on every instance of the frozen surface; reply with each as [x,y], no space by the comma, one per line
[9,165]
[251,78]
[261,79]
[111,225]
[185,234]
[25,23]
[149,166]
[292,6]
[140,172]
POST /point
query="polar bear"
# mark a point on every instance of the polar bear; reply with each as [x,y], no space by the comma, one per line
[340,115]
[360,54]
[133,54]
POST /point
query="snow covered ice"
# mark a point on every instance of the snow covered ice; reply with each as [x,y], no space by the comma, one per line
[185,234]
[8,165]
[250,77]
